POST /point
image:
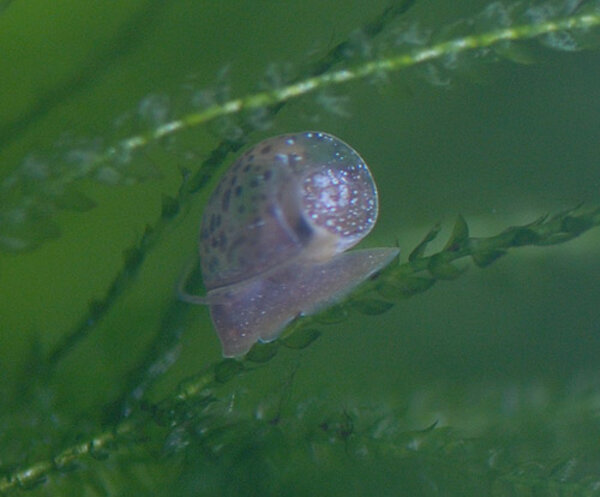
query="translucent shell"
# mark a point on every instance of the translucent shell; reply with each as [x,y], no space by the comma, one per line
[274,232]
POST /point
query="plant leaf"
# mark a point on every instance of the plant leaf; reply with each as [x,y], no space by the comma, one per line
[419,250]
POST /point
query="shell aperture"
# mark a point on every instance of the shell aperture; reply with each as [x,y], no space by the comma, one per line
[274,233]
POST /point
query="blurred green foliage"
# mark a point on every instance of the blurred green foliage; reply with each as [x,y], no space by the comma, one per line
[482,383]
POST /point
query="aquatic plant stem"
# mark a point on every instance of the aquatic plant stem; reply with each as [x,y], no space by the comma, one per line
[370,68]
[203,389]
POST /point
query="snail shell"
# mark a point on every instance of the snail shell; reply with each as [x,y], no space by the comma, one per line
[274,234]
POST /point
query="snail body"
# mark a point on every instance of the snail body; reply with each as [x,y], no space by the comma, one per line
[274,234]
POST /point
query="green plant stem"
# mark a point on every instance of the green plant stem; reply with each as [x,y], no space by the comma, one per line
[371,68]
[201,390]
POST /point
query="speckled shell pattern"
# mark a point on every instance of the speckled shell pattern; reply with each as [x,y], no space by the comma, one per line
[275,233]
[277,198]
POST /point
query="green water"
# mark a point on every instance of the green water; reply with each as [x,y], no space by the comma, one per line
[504,359]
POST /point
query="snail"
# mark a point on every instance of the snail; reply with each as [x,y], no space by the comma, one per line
[275,232]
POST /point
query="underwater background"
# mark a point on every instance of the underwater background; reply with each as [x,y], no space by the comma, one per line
[484,383]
